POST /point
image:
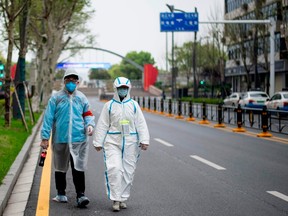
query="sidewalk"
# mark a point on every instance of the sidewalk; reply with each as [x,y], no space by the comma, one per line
[15,190]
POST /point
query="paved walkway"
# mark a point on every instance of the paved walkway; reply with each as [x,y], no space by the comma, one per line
[19,197]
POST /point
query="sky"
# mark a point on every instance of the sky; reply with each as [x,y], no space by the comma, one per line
[134,25]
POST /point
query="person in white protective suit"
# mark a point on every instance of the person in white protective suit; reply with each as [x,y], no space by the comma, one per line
[121,132]
[70,120]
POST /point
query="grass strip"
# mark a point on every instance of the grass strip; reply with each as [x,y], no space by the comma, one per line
[12,140]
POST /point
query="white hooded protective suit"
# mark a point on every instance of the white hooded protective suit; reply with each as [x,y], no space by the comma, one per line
[120,146]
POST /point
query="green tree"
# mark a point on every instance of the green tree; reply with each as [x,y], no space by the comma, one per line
[246,40]
[183,60]
[10,12]
[211,69]
[22,44]
[99,74]
[59,74]
[115,71]
[140,58]
[53,26]
[207,56]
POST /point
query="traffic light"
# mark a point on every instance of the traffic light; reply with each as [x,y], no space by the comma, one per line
[202,82]
[1,74]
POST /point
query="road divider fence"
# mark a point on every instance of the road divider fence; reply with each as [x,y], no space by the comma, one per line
[243,117]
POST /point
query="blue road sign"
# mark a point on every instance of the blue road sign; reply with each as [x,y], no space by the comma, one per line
[179,22]
[83,65]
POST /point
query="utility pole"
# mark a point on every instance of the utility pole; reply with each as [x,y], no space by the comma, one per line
[195,86]
[174,69]
[166,51]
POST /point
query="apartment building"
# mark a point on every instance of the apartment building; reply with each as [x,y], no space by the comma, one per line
[248,45]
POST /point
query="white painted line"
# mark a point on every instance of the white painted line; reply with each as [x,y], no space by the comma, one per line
[163,142]
[207,162]
[279,195]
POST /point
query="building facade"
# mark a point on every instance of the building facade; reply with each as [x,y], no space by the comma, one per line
[248,64]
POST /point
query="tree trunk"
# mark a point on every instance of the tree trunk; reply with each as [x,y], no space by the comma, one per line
[7,75]
[20,71]
[19,87]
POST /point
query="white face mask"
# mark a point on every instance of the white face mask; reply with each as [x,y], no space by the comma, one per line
[122,92]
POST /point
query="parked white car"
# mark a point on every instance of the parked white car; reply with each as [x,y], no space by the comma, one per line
[279,101]
[254,99]
[233,99]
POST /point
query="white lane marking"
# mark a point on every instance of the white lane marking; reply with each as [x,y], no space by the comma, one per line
[207,162]
[279,195]
[163,142]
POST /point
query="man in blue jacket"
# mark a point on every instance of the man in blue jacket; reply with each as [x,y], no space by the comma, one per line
[70,120]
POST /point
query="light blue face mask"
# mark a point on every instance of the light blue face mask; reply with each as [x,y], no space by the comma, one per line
[122,92]
[70,86]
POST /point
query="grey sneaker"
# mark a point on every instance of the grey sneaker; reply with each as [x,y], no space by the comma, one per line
[116,206]
[123,205]
[82,201]
[60,198]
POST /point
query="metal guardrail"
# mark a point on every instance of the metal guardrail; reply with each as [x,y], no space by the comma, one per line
[250,117]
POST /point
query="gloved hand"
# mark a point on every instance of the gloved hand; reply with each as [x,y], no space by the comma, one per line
[144,146]
[98,149]
[90,130]
[44,144]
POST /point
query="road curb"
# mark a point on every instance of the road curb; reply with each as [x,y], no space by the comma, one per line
[11,178]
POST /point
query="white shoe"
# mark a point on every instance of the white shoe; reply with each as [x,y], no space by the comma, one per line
[123,205]
[116,206]
[60,198]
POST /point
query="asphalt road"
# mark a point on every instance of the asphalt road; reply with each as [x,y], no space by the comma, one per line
[189,169]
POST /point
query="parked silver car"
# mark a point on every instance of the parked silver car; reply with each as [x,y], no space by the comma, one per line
[254,99]
[278,101]
[233,99]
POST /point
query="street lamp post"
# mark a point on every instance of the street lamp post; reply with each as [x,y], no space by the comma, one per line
[174,70]
[166,51]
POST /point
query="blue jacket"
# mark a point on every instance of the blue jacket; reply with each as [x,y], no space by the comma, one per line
[68,116]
